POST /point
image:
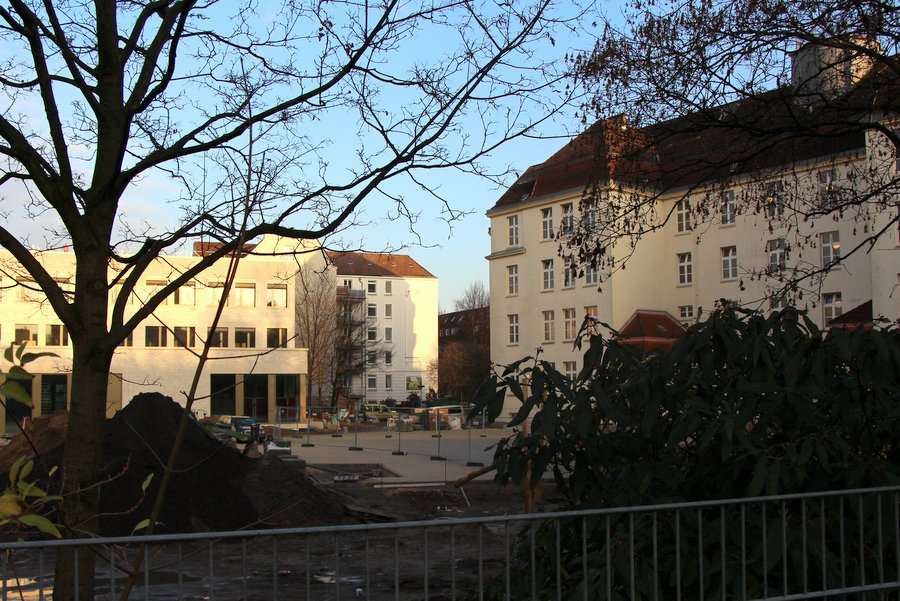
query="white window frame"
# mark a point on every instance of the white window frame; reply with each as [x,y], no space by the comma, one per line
[567,223]
[371,382]
[513,333]
[570,369]
[276,296]
[686,311]
[185,295]
[512,223]
[830,245]
[685,269]
[832,307]
[388,382]
[371,287]
[728,208]
[570,326]
[549,320]
[372,310]
[776,249]
[729,263]
[389,334]
[388,311]
[243,294]
[547,223]
[682,216]
[547,279]
[775,200]
[512,280]
[591,272]
[570,273]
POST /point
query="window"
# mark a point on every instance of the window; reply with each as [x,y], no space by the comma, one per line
[590,273]
[218,338]
[128,341]
[155,287]
[372,310]
[570,369]
[371,382]
[729,263]
[28,291]
[371,287]
[215,290]
[387,287]
[728,208]
[245,337]
[388,357]
[388,382]
[185,295]
[276,337]
[776,250]
[683,216]
[686,311]
[569,324]
[568,219]
[389,334]
[827,191]
[591,312]
[685,274]
[547,224]
[513,321]
[590,215]
[372,335]
[831,305]
[244,295]
[26,333]
[830,243]
[371,357]
[549,326]
[348,284]
[775,200]
[513,224]
[56,335]
[155,336]
[570,274]
[547,268]
[776,303]
[276,295]
[388,311]
[512,278]
[185,336]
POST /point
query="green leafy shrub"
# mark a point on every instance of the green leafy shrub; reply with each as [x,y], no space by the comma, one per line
[742,405]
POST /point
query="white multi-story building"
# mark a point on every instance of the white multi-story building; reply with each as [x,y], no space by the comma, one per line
[402,323]
[695,257]
[254,367]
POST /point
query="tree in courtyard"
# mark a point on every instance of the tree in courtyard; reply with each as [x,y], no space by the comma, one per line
[317,324]
[697,98]
[464,356]
[103,97]
[742,405]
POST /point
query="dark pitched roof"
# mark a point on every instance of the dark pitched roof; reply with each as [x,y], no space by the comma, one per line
[755,134]
[377,264]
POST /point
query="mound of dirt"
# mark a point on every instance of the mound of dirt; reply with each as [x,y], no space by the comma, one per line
[215,487]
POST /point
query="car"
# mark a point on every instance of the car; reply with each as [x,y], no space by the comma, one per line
[378,411]
[240,427]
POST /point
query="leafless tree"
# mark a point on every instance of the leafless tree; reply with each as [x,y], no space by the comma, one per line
[101,96]
[473,297]
[317,323]
[694,95]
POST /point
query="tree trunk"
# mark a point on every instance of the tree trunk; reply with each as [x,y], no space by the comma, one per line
[91,361]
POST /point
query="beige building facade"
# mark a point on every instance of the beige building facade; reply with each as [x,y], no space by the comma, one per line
[254,367]
[706,246]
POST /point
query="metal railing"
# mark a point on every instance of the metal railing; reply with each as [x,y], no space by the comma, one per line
[840,544]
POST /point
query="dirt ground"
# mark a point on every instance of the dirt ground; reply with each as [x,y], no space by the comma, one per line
[216,487]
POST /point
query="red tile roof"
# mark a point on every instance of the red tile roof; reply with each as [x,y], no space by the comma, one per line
[763,132]
[377,264]
[650,330]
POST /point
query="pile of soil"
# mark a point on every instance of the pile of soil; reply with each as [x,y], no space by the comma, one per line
[215,486]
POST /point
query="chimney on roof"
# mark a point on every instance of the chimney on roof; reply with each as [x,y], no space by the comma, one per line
[827,69]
